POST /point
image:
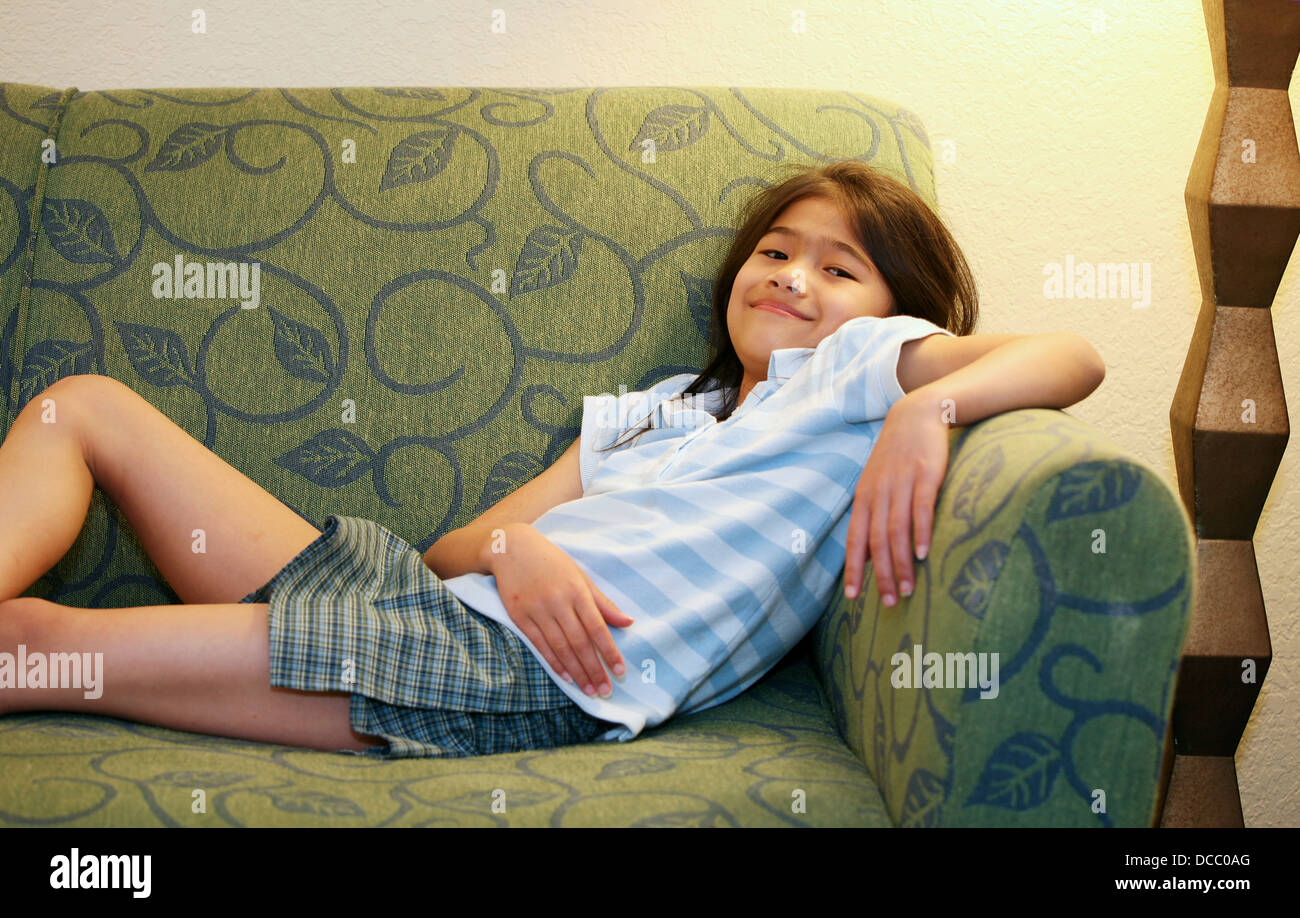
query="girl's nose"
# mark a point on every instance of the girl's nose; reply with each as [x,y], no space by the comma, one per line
[791,278]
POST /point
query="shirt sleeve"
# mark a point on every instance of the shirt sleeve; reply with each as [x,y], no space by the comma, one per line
[861,363]
[606,417]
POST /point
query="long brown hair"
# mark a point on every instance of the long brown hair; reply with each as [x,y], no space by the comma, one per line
[918,258]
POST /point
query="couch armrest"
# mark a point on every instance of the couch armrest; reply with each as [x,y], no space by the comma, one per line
[1073,562]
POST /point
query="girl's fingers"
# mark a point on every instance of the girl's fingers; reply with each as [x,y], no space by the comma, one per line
[597,638]
[923,501]
[606,606]
[577,642]
[855,546]
[878,538]
[599,633]
[534,634]
[900,537]
[560,649]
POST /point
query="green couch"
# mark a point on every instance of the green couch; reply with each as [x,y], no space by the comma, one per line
[460,266]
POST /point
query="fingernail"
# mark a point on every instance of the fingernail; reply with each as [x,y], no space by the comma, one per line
[907,588]
[850,591]
[889,599]
[567,677]
[605,690]
[589,690]
[922,552]
[618,669]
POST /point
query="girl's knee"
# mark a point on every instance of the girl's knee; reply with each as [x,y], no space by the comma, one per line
[21,619]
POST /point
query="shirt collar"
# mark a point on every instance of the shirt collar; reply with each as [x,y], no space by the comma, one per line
[785,362]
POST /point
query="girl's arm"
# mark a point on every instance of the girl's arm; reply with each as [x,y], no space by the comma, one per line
[464,550]
[919,365]
[896,493]
[1051,370]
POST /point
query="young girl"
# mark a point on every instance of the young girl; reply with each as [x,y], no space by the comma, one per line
[706,518]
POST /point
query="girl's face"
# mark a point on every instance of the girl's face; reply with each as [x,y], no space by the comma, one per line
[803,269]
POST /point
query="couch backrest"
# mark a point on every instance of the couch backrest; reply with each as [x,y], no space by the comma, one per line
[27,119]
[443,272]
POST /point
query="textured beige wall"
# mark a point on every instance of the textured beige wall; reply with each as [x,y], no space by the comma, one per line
[1071,127]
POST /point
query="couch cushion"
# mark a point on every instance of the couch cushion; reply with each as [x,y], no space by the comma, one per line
[768,758]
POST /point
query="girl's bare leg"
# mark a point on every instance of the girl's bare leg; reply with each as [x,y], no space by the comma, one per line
[202,666]
[198,668]
[45,490]
[89,430]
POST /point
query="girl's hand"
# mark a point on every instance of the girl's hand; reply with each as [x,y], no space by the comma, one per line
[896,495]
[557,606]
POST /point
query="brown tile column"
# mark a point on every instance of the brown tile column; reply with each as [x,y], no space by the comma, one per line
[1228,418]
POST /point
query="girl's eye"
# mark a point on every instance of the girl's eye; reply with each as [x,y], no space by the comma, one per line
[779,252]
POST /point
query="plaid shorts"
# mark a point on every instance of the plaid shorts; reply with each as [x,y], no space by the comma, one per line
[358,611]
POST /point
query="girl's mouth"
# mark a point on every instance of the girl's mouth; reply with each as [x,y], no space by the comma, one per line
[779,308]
